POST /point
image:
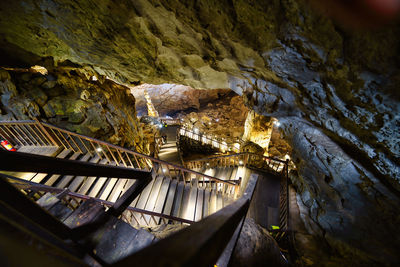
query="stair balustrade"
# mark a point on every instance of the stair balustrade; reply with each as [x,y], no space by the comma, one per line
[35,133]
[207,140]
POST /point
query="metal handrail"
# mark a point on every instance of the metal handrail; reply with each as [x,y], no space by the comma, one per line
[208,238]
[223,146]
[44,134]
[240,159]
[35,187]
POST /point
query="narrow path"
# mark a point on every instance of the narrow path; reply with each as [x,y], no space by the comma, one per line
[264,207]
[169,151]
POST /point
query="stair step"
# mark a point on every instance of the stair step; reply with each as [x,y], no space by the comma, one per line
[178,199]
[151,202]
[185,200]
[109,184]
[213,202]
[51,181]
[60,211]
[100,186]
[117,190]
[161,200]
[85,213]
[199,205]
[206,203]
[113,240]
[141,240]
[89,181]
[78,180]
[47,201]
[67,178]
[141,204]
[170,197]
[40,176]
[189,213]
[219,202]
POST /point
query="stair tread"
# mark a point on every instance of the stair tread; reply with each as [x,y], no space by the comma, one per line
[113,240]
[67,178]
[141,203]
[55,177]
[151,202]
[47,201]
[89,181]
[219,202]
[213,202]
[199,205]
[118,188]
[170,197]
[189,214]
[185,200]
[206,203]
[107,185]
[60,211]
[177,199]
[38,178]
[78,180]
[85,213]
[161,199]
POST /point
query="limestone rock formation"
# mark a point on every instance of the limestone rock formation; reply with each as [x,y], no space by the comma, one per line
[255,247]
[334,90]
[68,98]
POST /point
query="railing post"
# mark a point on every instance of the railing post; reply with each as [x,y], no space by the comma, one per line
[237,187]
[45,131]
[287,191]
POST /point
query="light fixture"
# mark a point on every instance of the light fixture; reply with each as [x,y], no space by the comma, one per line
[196,130]
[94,78]
[287,157]
[160,126]
[99,149]
[277,123]
[240,162]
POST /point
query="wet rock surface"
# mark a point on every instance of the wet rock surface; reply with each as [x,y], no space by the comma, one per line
[335,92]
[68,98]
[255,247]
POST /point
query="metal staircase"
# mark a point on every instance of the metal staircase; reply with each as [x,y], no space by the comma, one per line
[81,176]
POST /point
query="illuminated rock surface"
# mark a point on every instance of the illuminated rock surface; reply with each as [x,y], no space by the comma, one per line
[334,91]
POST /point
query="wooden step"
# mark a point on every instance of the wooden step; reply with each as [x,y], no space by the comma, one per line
[78,180]
[85,213]
[141,204]
[113,240]
[89,181]
[178,199]
[100,186]
[185,200]
[47,201]
[199,205]
[219,201]
[190,211]
[206,203]
[62,155]
[52,180]
[161,200]
[60,211]
[170,197]
[65,180]
[213,202]
[151,202]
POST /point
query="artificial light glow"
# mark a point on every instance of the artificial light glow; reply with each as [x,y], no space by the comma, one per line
[196,130]
[277,123]
[99,149]
[240,162]
[160,126]
[217,120]
[94,78]
[40,69]
[287,157]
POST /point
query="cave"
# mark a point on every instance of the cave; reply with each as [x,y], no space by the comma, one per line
[189,89]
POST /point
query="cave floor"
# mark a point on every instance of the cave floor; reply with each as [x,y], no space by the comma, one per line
[169,151]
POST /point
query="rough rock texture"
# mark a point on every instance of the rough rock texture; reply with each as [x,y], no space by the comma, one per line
[221,119]
[255,247]
[258,129]
[169,99]
[68,98]
[334,91]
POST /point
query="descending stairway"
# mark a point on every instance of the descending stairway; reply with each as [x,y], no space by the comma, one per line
[170,193]
[173,192]
[111,242]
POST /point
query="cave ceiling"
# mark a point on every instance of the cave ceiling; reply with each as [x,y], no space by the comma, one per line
[335,90]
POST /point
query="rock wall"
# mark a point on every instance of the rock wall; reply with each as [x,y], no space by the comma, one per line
[69,98]
[334,90]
